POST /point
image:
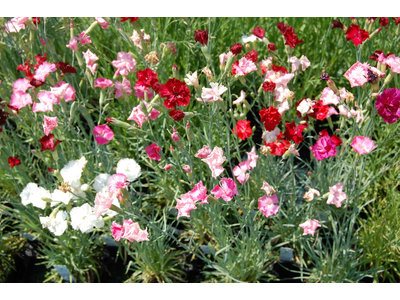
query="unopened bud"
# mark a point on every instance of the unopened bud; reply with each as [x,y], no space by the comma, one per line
[375,32]
[325,196]
[212,199]
[389,78]
[303,122]
[332,85]
[118,123]
[187,169]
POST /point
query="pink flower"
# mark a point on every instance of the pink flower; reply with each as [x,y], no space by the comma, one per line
[310,194]
[174,135]
[278,78]
[357,75]
[47,99]
[49,124]
[85,39]
[59,91]
[140,89]
[90,58]
[102,203]
[224,57]
[117,231]
[102,82]
[21,85]
[203,152]
[213,94]
[132,232]
[152,151]
[73,44]
[16,24]
[266,205]
[20,99]
[184,206]
[103,134]
[103,23]
[138,116]
[394,63]
[324,148]
[344,111]
[362,144]
[329,97]
[240,171]
[310,226]
[269,189]
[332,111]
[304,62]
[124,86]
[295,63]
[243,67]
[116,182]
[69,93]
[44,70]
[226,191]
[167,167]
[215,161]
[125,63]
[336,195]
[252,157]
[199,193]
[187,169]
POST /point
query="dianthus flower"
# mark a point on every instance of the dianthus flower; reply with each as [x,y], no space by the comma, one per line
[325,147]
[266,205]
[199,193]
[65,67]
[132,19]
[269,86]
[304,107]
[147,79]
[73,44]
[124,86]
[203,152]
[56,224]
[102,203]
[278,147]
[44,70]
[294,133]
[103,23]
[213,94]
[139,117]
[176,93]
[153,152]
[116,182]
[103,134]
[236,49]
[337,24]
[215,160]
[21,85]
[83,218]
[252,55]
[84,38]
[394,63]
[48,142]
[227,190]
[258,32]
[271,136]
[357,75]
[291,38]
[356,35]
[310,226]
[90,58]
[252,158]
[362,144]
[388,105]
[177,115]
[137,39]
[270,117]
[384,21]
[101,182]
[20,99]
[32,193]
[329,97]
[185,205]
[243,129]
[309,196]
[129,167]
[103,83]
[125,63]
[319,111]
[132,232]
[68,94]
[271,47]
[49,124]
[16,24]
[14,161]
[240,171]
[336,195]
[201,36]
[269,189]
[243,66]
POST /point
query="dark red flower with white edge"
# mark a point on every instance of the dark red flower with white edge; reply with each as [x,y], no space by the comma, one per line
[243,129]
[236,49]
[177,115]
[14,161]
[36,20]
[384,21]
[356,34]
[337,24]
[271,47]
[253,56]
[36,83]
[279,69]
[375,55]
[270,117]
[320,110]
[294,133]
[278,147]
[65,67]
[258,32]
[291,38]
[48,143]
[269,86]
[147,78]
[201,36]
[176,93]
[396,20]
[132,19]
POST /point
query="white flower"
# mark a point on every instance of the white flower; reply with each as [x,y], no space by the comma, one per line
[305,107]
[192,79]
[32,193]
[58,196]
[84,219]
[295,63]
[251,38]
[213,94]
[270,136]
[101,182]
[283,106]
[73,170]
[129,167]
[241,98]
[56,225]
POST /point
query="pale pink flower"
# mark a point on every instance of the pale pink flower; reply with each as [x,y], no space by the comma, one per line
[138,116]
[184,206]
[310,226]
[271,136]
[282,93]
[240,99]
[69,94]
[310,194]
[357,75]
[92,68]
[140,89]
[199,193]
[137,40]
[336,195]
[283,106]
[215,161]
[21,85]
[132,232]
[329,97]
[226,190]
[16,24]
[49,124]
[152,151]
[73,44]
[305,107]
[213,94]
[292,149]
[304,62]
[203,152]
[117,231]
[125,85]
[103,134]
[59,91]
[266,205]
[47,99]
[103,23]
[174,135]
[103,83]
[192,79]
[224,57]
[240,171]
[266,63]
[125,63]
[167,167]
[244,67]
[187,169]
[102,203]
[252,157]
[278,78]
[90,58]
[357,114]
[85,39]
[116,182]
[332,111]
[343,93]
[362,144]
[269,189]
[394,63]
[20,99]
[343,111]
[295,63]
[44,70]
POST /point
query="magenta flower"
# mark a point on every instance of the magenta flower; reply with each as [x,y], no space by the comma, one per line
[103,23]
[132,232]
[20,99]
[84,39]
[47,99]
[357,75]
[102,203]
[174,135]
[21,85]
[184,206]
[124,86]
[167,167]
[336,195]
[266,205]
[117,231]
[362,144]
[199,193]
[152,151]
[102,82]
[310,226]
[125,63]
[103,134]
[240,171]
[388,105]
[252,157]
[44,70]
[226,190]
[324,148]
[215,161]
[49,124]
[116,182]
[203,152]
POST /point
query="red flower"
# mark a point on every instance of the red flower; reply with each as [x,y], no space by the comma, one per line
[176,92]
[337,24]
[50,169]
[278,147]
[132,19]
[253,56]
[177,115]
[337,140]
[36,83]
[271,47]
[396,20]
[36,20]
[279,69]
[243,129]
[291,38]
[375,55]
[282,27]
[48,142]
[65,67]
[294,133]
[384,21]
[356,35]
[147,78]
[270,117]
[40,60]
[236,49]
[26,67]
[320,110]
[323,132]
[258,32]
[201,36]
[13,161]
[268,86]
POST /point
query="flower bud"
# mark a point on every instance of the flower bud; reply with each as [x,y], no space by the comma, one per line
[143,107]
[85,187]
[286,155]
[187,169]
[375,32]
[389,78]
[212,199]
[229,62]
[118,123]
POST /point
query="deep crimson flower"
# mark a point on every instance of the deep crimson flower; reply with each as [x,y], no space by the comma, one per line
[236,49]
[375,55]
[271,47]
[177,115]
[396,20]
[269,86]
[337,24]
[323,132]
[388,105]
[278,147]
[258,32]
[384,21]
[291,38]
[147,78]
[65,67]
[320,110]
[282,27]
[50,169]
[14,161]
[48,142]
[40,60]
[356,34]
[36,20]
[176,92]
[337,140]
[253,56]
[201,36]
[36,83]
[243,129]
[132,19]
[270,117]
[26,67]
[324,76]
[279,69]
[294,133]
